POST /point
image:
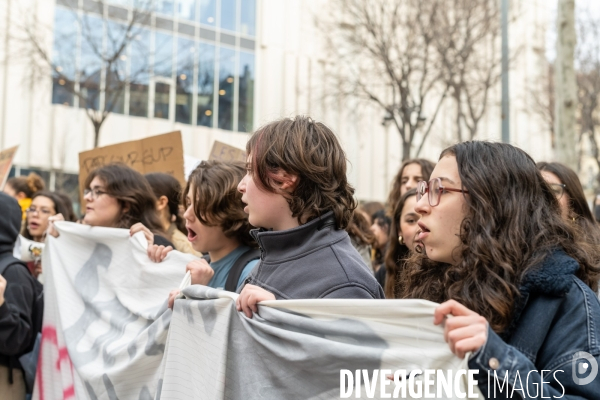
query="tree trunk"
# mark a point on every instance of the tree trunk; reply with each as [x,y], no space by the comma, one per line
[97,126]
[565,84]
[405,150]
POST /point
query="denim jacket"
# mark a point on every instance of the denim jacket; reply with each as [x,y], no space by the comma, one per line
[552,347]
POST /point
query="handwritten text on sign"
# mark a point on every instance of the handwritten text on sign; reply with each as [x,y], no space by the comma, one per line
[162,153]
[224,152]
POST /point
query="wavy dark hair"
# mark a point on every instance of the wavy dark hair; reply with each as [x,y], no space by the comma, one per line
[310,150]
[57,202]
[578,206]
[360,230]
[396,254]
[577,201]
[426,170]
[513,222]
[133,192]
[69,212]
[216,200]
[166,185]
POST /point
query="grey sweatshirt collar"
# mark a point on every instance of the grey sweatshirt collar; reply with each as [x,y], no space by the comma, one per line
[278,246]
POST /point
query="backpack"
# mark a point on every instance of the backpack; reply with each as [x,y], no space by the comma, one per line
[238,266]
[28,361]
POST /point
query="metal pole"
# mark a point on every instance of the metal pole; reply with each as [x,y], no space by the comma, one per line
[505,98]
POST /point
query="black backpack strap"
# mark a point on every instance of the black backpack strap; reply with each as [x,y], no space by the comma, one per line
[238,266]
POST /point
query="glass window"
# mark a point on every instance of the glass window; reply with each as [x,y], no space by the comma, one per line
[206,83]
[246,93]
[186,9]
[166,7]
[163,70]
[64,56]
[228,14]
[184,79]
[90,69]
[45,175]
[116,71]
[125,3]
[208,12]
[226,85]
[139,74]
[69,184]
[248,17]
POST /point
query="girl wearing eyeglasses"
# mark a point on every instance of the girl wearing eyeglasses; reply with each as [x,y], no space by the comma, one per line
[567,189]
[117,196]
[44,204]
[516,291]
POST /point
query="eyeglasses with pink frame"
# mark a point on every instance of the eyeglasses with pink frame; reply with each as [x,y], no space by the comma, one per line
[435,189]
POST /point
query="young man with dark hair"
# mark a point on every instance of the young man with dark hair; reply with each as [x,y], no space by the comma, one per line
[297,192]
[217,226]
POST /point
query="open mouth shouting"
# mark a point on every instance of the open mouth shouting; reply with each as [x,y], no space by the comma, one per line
[191,234]
[424,231]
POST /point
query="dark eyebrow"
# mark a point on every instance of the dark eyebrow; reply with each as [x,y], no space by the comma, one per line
[97,187]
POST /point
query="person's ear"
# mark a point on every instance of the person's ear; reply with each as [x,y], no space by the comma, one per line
[21,196]
[289,182]
[161,203]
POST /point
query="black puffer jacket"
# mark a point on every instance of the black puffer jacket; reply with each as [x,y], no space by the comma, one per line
[16,330]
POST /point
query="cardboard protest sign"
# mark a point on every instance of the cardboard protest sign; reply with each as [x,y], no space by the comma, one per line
[161,153]
[225,152]
[6,159]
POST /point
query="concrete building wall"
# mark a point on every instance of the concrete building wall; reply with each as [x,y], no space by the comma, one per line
[289,80]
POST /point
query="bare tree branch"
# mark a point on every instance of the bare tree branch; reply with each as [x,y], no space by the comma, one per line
[99,80]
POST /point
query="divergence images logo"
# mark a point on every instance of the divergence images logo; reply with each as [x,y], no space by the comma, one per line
[583,364]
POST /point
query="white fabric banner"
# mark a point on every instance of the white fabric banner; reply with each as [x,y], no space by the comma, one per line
[106,334]
[105,325]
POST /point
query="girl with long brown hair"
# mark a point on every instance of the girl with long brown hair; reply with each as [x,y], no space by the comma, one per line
[410,173]
[509,269]
[402,243]
[117,196]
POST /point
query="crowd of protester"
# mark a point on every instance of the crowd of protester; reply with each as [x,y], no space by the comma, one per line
[507,247]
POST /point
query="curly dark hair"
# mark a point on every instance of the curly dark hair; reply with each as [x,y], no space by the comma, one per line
[216,200]
[360,230]
[396,254]
[513,222]
[310,150]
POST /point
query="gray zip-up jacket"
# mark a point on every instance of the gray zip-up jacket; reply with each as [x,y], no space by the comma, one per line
[312,261]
